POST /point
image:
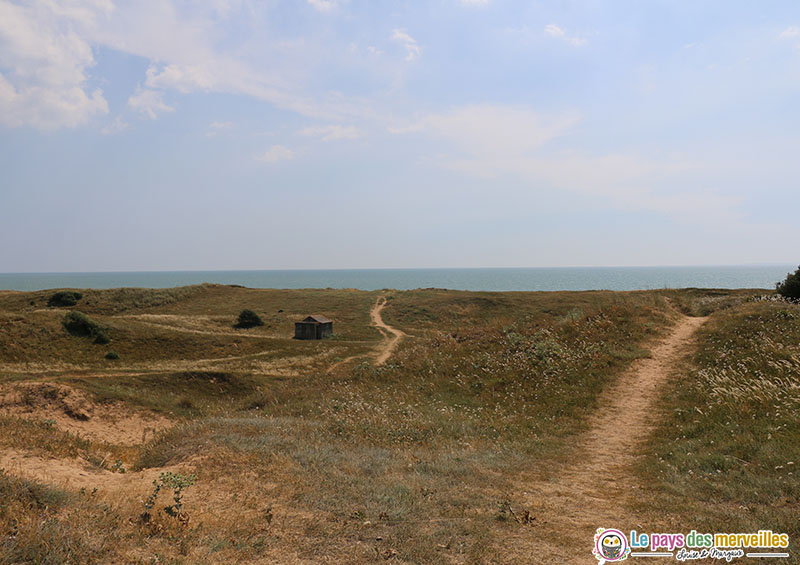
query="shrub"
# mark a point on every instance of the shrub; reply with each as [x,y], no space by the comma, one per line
[80,325]
[175,481]
[112,355]
[248,319]
[790,288]
[64,298]
[101,337]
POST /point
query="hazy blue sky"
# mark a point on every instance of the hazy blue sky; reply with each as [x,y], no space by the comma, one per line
[225,134]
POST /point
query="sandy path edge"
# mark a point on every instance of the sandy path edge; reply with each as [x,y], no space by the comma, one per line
[389,343]
[594,491]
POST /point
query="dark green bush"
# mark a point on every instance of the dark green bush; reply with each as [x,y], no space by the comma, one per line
[248,319]
[112,355]
[64,298]
[80,325]
[790,288]
[101,337]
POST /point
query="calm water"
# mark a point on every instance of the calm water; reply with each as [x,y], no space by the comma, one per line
[572,278]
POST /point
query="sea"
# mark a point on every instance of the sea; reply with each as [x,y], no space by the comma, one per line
[486,279]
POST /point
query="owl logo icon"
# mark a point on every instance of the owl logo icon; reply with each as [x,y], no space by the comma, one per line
[610,545]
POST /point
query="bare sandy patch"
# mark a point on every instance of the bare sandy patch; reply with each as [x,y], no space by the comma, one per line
[74,411]
[222,505]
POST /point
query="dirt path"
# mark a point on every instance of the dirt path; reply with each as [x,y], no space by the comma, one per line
[391,338]
[593,492]
[390,342]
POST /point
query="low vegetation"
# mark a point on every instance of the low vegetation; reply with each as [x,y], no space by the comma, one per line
[182,394]
[790,287]
[176,482]
[80,325]
[306,451]
[727,447]
[248,319]
[44,524]
[64,299]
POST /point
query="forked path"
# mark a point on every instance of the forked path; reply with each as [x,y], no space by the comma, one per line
[593,492]
[390,342]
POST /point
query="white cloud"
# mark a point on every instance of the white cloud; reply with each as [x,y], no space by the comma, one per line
[413,50]
[333,132]
[323,5]
[116,126]
[475,2]
[211,72]
[628,182]
[790,32]
[44,64]
[183,78]
[488,141]
[46,50]
[224,8]
[216,127]
[276,153]
[554,30]
[148,102]
[492,130]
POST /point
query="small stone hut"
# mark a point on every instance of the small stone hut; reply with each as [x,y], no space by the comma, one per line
[313,327]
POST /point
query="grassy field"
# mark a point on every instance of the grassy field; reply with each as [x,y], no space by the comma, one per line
[290,451]
[727,446]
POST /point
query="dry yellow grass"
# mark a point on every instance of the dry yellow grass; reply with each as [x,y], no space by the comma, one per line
[310,452]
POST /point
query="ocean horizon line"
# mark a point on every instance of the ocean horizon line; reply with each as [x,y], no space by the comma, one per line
[349,269]
[454,278]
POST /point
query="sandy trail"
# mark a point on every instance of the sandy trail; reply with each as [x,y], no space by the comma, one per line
[391,337]
[389,343]
[593,492]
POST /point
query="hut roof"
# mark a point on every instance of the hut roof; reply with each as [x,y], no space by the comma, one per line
[317,319]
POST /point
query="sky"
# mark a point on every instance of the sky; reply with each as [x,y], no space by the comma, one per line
[277,134]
